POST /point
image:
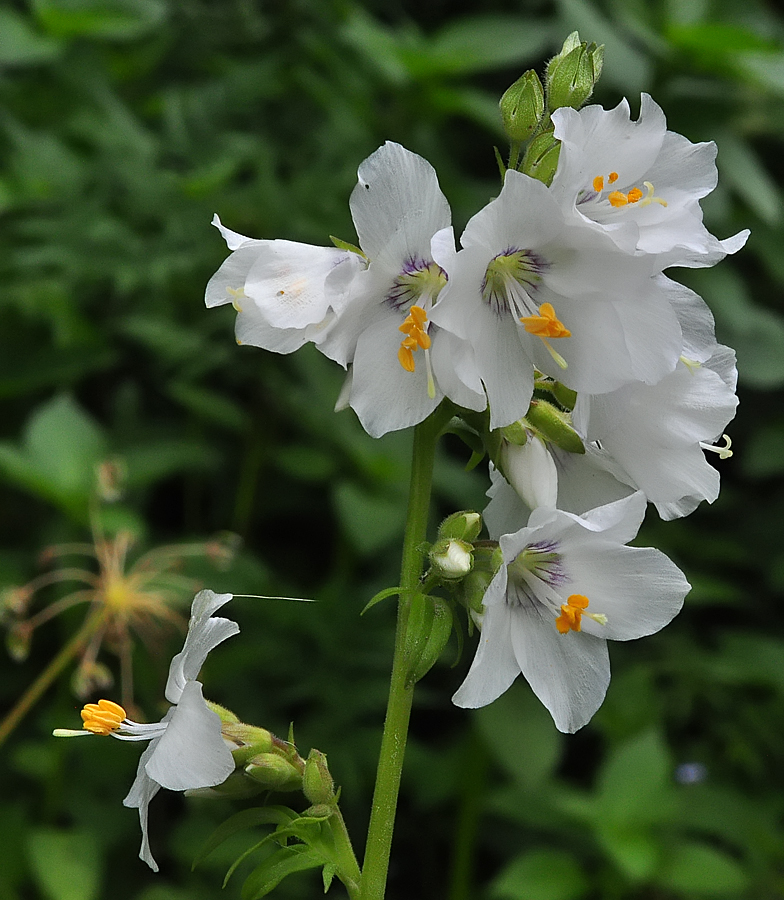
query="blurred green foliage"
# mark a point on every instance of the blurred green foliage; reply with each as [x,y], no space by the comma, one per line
[124,125]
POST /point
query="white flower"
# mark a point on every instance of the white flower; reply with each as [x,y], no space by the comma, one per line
[402,366]
[525,281]
[568,584]
[186,749]
[285,293]
[652,437]
[638,183]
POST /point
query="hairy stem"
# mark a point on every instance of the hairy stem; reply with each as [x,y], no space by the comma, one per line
[401,691]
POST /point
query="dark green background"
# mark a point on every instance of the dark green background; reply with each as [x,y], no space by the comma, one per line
[124,125]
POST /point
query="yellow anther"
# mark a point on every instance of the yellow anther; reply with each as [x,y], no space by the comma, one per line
[617,198]
[546,324]
[634,195]
[416,336]
[598,184]
[572,614]
[613,177]
[103,717]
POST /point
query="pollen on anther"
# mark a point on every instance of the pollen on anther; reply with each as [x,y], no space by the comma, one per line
[598,184]
[102,717]
[613,177]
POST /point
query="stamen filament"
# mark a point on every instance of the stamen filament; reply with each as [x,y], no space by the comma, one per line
[724,452]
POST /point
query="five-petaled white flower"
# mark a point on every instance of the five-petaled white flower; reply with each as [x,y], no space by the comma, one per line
[402,365]
[526,280]
[638,183]
[567,585]
[186,749]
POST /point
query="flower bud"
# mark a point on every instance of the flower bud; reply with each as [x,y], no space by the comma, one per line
[555,425]
[573,73]
[273,772]
[531,472]
[522,107]
[462,526]
[250,741]
[317,783]
[451,559]
[487,561]
[541,157]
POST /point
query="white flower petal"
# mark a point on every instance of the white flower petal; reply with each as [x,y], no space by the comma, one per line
[141,793]
[384,395]
[494,667]
[397,206]
[638,588]
[204,634]
[569,673]
[191,753]
[232,238]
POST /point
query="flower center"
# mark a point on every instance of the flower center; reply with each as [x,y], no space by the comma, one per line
[572,613]
[103,717]
[420,282]
[542,560]
[618,199]
[510,279]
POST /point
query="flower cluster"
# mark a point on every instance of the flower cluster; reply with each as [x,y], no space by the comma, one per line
[558,288]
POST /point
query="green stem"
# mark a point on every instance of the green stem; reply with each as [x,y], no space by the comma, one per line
[401,692]
[45,679]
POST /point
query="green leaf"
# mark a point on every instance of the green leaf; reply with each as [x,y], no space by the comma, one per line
[371,520]
[20,44]
[377,598]
[276,867]
[248,818]
[110,19]
[701,869]
[633,850]
[62,446]
[541,875]
[65,864]
[482,43]
[520,735]
[209,406]
[634,784]
[740,167]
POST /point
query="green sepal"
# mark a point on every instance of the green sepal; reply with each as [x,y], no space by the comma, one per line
[541,157]
[377,598]
[555,425]
[467,434]
[345,245]
[572,75]
[516,433]
[501,164]
[436,638]
[474,461]
[464,525]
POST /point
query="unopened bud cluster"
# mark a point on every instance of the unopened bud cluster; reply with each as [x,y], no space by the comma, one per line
[526,106]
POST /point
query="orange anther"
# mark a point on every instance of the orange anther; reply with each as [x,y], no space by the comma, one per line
[546,324]
[613,177]
[618,198]
[634,195]
[598,184]
[571,614]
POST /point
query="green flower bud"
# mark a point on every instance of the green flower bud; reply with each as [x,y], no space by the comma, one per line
[522,107]
[555,425]
[225,715]
[541,157]
[564,395]
[462,526]
[487,561]
[274,772]
[516,433]
[251,741]
[451,559]
[317,783]
[573,73]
